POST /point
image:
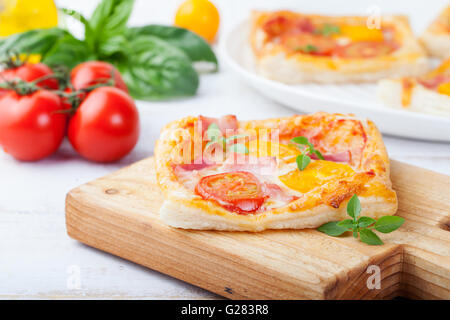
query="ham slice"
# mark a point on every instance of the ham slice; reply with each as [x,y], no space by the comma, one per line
[197,164]
[259,166]
[335,157]
[274,191]
[225,123]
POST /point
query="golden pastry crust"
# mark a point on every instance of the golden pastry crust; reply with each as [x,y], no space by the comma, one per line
[274,61]
[436,38]
[183,208]
[427,94]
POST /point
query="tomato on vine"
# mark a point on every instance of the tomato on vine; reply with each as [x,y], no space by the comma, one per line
[105,127]
[31,125]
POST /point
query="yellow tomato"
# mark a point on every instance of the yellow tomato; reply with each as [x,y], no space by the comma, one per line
[361,33]
[22,15]
[444,88]
[199,16]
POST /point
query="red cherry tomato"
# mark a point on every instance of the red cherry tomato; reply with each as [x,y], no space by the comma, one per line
[31,128]
[365,49]
[238,191]
[309,43]
[29,72]
[94,72]
[105,127]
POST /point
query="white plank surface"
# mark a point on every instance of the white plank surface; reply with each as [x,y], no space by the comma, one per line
[38,260]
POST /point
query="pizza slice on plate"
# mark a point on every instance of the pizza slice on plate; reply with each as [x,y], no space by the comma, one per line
[437,36]
[224,174]
[429,93]
[295,48]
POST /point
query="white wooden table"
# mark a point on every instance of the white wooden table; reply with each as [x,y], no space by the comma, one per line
[38,260]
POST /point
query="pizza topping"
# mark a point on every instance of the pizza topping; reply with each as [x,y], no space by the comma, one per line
[444,88]
[358,33]
[365,49]
[274,192]
[335,157]
[315,174]
[279,25]
[225,123]
[255,165]
[407,88]
[309,43]
[328,30]
[198,164]
[299,34]
[239,191]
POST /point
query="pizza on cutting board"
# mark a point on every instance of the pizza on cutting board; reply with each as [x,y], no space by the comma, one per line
[436,38]
[225,174]
[295,48]
[429,93]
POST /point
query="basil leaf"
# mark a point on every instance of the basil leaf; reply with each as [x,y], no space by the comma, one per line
[388,224]
[332,229]
[68,52]
[37,41]
[238,148]
[303,161]
[301,140]
[369,237]
[109,19]
[155,69]
[213,132]
[115,45]
[364,222]
[191,44]
[318,154]
[88,32]
[354,207]
[347,224]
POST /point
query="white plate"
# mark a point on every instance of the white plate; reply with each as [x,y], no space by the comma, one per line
[359,99]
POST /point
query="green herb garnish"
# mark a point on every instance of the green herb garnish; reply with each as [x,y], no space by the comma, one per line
[307,49]
[214,135]
[304,159]
[328,30]
[362,225]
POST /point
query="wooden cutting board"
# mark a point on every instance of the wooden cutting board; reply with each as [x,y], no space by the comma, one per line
[119,214]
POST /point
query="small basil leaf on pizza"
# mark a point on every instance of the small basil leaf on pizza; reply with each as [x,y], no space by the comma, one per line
[302,161]
[238,148]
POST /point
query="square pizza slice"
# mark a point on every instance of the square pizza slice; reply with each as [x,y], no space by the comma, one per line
[437,36]
[296,48]
[225,174]
[429,93]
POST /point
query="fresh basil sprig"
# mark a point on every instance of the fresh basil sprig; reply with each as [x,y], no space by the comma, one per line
[214,135]
[157,62]
[362,225]
[307,149]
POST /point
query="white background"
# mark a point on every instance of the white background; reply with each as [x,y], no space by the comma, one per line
[37,258]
